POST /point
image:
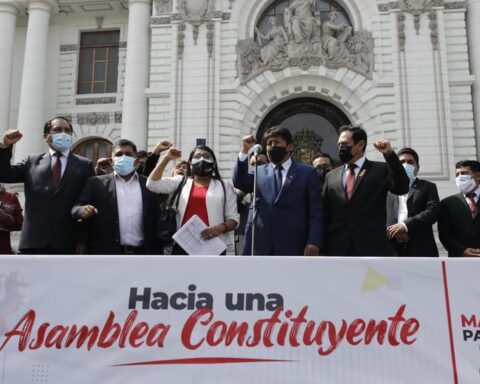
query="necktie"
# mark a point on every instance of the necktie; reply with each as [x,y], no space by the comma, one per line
[56,170]
[278,179]
[471,202]
[350,180]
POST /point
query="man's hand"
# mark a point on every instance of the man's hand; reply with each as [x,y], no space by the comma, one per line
[161,146]
[247,143]
[173,154]
[383,146]
[311,250]
[88,211]
[11,137]
[471,252]
[396,229]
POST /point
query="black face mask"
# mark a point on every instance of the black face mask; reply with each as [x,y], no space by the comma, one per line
[202,168]
[345,154]
[277,154]
[140,169]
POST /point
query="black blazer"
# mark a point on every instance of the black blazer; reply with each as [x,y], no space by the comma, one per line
[457,228]
[359,224]
[423,206]
[47,222]
[103,228]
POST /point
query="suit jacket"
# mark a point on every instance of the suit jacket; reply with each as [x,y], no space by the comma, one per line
[103,228]
[423,205]
[47,222]
[457,228]
[359,224]
[287,223]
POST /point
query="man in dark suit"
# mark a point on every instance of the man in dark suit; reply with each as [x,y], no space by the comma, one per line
[53,181]
[289,220]
[459,223]
[355,197]
[410,217]
[119,212]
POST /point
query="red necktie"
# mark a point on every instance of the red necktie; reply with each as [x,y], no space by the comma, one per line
[350,180]
[56,170]
[471,202]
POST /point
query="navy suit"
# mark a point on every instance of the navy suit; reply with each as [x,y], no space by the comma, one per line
[288,222]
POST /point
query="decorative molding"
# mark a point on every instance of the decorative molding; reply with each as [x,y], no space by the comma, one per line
[162,20]
[162,6]
[328,44]
[68,47]
[93,118]
[180,39]
[401,31]
[118,117]
[210,37]
[96,100]
[456,5]
[433,25]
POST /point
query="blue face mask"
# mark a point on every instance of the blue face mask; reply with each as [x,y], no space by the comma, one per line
[410,170]
[124,165]
[61,141]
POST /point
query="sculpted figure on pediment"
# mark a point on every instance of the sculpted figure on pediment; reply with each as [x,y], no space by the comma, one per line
[273,53]
[300,21]
[334,38]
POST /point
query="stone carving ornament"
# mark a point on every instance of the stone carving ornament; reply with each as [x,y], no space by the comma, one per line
[305,42]
[162,6]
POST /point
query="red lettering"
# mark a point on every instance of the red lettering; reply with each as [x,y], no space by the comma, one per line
[140,330]
[22,329]
[472,322]
[354,330]
[190,326]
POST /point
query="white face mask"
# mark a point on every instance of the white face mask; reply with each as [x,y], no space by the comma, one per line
[465,183]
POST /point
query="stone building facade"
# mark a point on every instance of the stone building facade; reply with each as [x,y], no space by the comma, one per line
[215,70]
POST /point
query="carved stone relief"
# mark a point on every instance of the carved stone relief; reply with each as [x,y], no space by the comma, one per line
[196,12]
[93,118]
[304,41]
[162,6]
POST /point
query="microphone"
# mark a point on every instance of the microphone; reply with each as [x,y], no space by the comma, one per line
[257,149]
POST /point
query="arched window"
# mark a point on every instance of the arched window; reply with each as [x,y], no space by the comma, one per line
[94,149]
[314,125]
[322,8]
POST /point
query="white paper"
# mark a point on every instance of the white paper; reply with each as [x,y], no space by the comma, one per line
[188,237]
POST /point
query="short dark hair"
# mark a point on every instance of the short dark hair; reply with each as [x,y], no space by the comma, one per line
[472,164]
[323,154]
[216,172]
[409,151]
[48,124]
[126,142]
[358,134]
[184,162]
[142,153]
[277,131]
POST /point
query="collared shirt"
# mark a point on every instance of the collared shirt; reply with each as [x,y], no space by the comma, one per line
[359,166]
[63,159]
[286,165]
[130,210]
[476,197]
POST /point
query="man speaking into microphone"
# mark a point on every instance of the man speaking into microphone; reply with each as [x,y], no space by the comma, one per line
[289,207]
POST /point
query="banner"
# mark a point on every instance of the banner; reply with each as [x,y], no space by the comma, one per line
[242,320]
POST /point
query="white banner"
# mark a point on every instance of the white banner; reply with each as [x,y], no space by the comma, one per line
[248,320]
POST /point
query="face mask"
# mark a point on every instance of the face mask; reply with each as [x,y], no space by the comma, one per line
[410,170]
[277,154]
[61,141]
[124,165]
[345,154]
[465,183]
[202,167]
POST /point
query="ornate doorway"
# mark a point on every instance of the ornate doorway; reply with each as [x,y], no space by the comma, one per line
[313,123]
[94,149]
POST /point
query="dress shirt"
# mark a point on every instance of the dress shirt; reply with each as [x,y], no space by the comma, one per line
[130,210]
[359,166]
[286,165]
[63,159]
[402,207]
[477,196]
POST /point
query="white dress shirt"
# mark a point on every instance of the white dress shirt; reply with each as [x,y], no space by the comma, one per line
[130,210]
[63,158]
[286,165]
[359,166]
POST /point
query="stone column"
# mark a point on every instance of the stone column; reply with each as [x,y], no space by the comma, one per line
[473,25]
[8,19]
[32,93]
[135,103]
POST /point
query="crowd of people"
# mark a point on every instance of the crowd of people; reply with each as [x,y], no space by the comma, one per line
[359,208]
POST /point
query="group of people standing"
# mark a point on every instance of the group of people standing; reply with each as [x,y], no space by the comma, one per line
[363,208]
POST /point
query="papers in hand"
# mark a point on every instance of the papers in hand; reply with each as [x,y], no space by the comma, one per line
[188,237]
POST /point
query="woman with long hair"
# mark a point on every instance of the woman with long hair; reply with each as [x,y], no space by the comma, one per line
[204,193]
